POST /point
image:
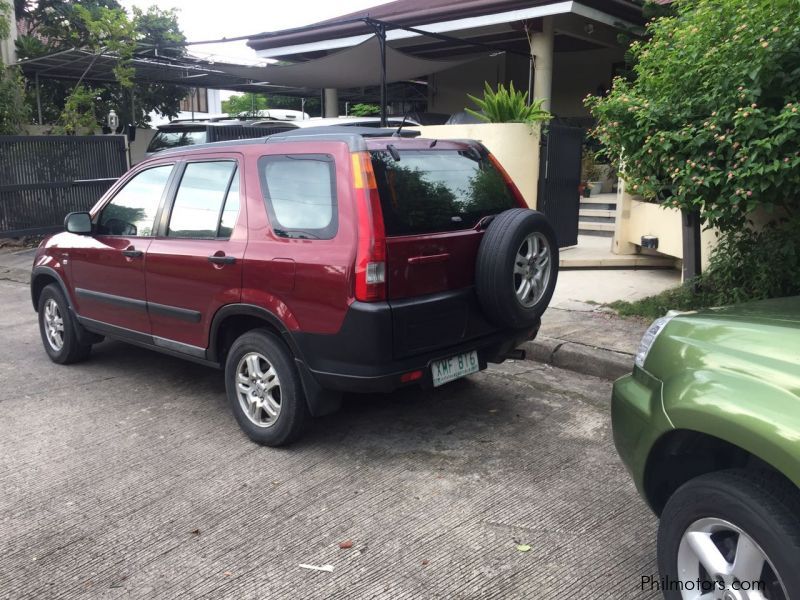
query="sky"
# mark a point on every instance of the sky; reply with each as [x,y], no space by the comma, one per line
[207,20]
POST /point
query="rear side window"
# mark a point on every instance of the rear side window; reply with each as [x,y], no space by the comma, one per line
[300,193]
[438,190]
[200,203]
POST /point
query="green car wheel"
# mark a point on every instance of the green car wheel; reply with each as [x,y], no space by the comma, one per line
[731,535]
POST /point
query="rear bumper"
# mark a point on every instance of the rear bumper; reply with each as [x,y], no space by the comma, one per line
[379,342]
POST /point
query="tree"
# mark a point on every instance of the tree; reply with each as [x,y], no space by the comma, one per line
[53,25]
[13,111]
[249,103]
[711,120]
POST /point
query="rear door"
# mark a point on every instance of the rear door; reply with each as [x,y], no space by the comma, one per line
[194,265]
[433,204]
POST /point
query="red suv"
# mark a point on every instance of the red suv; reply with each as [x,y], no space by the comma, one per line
[305,264]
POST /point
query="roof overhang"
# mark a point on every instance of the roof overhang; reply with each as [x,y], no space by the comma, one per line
[326,40]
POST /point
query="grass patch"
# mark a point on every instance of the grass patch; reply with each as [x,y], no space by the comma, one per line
[652,307]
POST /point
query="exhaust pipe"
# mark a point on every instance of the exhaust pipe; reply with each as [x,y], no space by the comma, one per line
[518,354]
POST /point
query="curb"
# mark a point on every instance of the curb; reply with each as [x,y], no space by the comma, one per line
[588,360]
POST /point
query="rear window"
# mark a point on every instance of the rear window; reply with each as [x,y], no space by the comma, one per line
[438,190]
[164,140]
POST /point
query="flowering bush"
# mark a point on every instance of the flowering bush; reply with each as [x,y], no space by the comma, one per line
[711,120]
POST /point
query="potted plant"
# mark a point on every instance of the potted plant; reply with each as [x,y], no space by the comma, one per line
[507,105]
[591,173]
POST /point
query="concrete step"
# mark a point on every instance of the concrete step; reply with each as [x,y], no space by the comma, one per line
[594,226]
[595,212]
[601,199]
[615,261]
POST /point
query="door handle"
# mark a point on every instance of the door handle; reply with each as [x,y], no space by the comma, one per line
[133,253]
[221,259]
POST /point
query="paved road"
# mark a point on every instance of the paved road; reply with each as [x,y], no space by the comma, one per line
[127,477]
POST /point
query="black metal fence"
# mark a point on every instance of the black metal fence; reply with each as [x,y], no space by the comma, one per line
[559,178]
[42,178]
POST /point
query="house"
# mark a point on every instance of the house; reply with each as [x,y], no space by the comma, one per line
[561,51]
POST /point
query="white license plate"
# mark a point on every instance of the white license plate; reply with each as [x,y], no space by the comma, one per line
[454,367]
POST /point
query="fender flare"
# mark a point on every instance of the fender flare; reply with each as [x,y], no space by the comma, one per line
[51,272]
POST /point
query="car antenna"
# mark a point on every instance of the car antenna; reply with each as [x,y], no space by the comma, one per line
[402,124]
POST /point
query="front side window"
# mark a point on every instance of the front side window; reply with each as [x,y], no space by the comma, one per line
[132,211]
[300,193]
[200,201]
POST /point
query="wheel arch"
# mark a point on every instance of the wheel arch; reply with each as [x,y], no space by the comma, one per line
[683,454]
[232,320]
[41,277]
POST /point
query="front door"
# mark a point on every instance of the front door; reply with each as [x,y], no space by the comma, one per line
[194,265]
[108,268]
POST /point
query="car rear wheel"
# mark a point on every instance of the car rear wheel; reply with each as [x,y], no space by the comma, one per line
[517,268]
[58,331]
[264,389]
[731,535]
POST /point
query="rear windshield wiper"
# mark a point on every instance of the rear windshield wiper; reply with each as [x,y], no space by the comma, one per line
[295,234]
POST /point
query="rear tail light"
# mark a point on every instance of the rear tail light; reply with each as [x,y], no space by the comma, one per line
[410,376]
[370,283]
[509,182]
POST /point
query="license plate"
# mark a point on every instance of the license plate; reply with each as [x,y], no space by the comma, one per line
[454,367]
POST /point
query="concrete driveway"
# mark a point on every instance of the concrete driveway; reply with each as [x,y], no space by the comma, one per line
[127,477]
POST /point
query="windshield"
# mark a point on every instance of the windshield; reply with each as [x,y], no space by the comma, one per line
[438,190]
[165,139]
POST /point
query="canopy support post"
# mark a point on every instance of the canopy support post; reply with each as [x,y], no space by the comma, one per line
[381,31]
[38,98]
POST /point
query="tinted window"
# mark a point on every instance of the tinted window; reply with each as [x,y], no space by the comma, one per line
[438,190]
[133,210]
[300,192]
[176,139]
[198,204]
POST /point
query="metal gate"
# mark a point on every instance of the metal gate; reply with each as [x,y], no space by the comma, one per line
[42,178]
[559,179]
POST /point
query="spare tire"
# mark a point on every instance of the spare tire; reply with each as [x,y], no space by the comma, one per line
[517,268]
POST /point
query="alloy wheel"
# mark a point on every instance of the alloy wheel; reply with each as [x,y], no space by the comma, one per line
[724,562]
[532,269]
[258,389]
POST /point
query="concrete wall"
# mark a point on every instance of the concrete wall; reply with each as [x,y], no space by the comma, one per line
[576,74]
[515,145]
[447,90]
[636,218]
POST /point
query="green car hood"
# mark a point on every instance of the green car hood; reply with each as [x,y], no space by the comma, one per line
[778,309]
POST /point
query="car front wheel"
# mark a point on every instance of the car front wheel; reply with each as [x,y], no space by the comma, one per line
[264,389]
[731,535]
[59,334]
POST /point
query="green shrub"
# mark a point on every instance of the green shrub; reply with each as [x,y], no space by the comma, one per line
[507,105]
[364,110]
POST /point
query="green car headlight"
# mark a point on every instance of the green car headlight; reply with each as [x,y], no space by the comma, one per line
[650,336]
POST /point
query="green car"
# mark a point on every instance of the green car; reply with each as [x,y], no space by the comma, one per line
[708,424]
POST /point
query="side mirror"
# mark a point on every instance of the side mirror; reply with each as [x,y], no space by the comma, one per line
[78,222]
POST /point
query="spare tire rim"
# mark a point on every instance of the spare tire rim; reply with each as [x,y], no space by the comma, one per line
[532,269]
[258,389]
[722,562]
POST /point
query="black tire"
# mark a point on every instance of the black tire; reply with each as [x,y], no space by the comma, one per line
[71,350]
[293,413]
[495,280]
[762,504]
